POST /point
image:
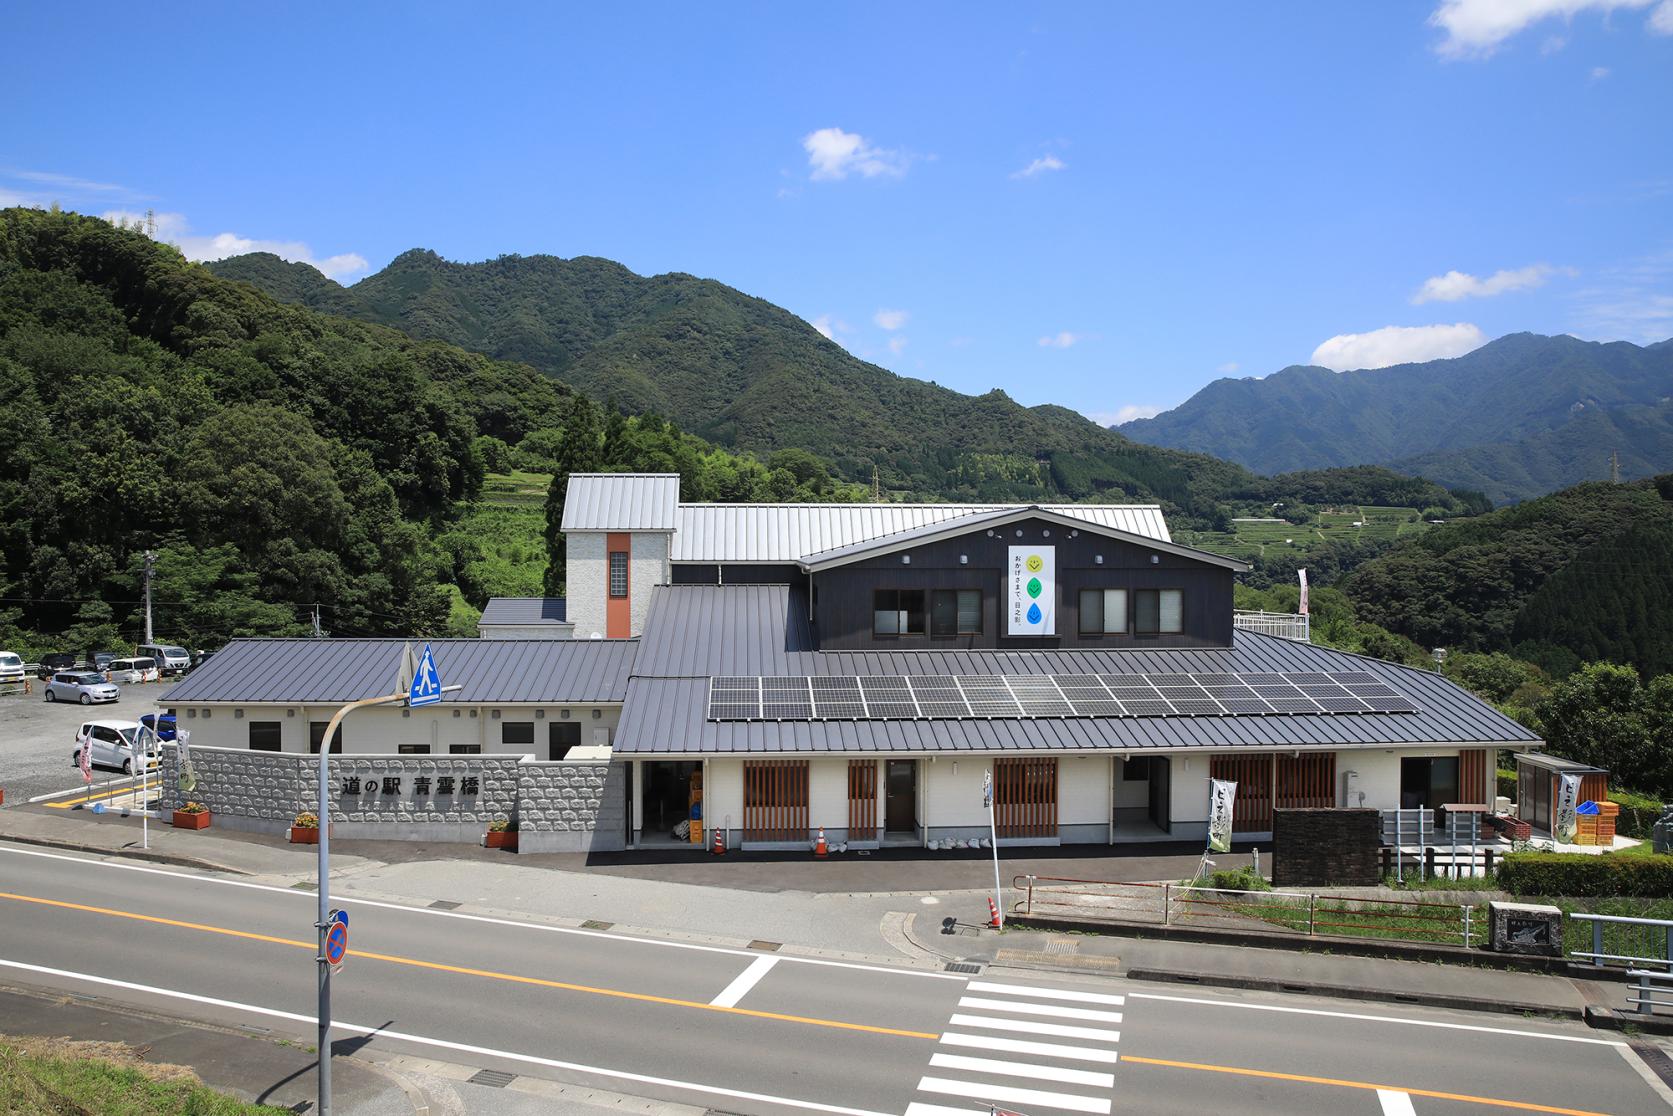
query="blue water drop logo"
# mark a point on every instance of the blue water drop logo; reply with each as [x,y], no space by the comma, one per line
[1034,614]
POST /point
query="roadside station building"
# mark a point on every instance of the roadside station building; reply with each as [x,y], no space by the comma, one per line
[777,668]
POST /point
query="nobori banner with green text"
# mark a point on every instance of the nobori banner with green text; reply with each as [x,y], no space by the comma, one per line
[1032,601]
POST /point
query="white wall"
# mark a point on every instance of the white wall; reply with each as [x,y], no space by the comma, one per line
[525,631]
[586,582]
[1083,790]
[1188,789]
[382,731]
[647,567]
[952,797]
[723,795]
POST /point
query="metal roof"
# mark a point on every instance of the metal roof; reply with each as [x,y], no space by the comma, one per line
[325,671]
[791,532]
[698,631]
[621,502]
[524,610]
[963,524]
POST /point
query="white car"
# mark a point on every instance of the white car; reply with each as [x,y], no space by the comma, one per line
[129,672]
[81,686]
[11,667]
[116,744]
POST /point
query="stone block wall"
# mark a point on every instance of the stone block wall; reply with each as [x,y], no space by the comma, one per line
[1320,848]
[571,807]
[270,788]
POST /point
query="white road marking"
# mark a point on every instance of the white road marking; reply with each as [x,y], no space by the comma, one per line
[917,1108]
[1049,993]
[1395,1103]
[1496,1031]
[744,981]
[1023,1069]
[1028,1027]
[609,936]
[983,1091]
[462,1047]
[1648,1074]
[1087,1014]
[1023,1046]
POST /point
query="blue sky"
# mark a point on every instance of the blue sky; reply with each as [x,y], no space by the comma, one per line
[1104,206]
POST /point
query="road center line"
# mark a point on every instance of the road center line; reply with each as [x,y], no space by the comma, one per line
[1525,1106]
[1495,1031]
[466,1048]
[615,993]
[743,982]
[293,894]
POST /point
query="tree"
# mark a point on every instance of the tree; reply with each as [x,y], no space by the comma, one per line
[581,451]
[1600,715]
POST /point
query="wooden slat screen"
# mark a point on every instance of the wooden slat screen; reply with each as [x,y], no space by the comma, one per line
[775,800]
[1473,778]
[1306,782]
[862,800]
[1025,797]
[1252,808]
[1594,787]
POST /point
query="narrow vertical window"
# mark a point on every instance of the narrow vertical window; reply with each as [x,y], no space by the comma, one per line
[618,573]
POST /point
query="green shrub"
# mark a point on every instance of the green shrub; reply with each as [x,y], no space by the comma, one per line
[1235,879]
[1507,783]
[1638,813]
[1581,874]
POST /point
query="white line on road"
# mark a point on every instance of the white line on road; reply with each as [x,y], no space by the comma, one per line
[983,1091]
[1049,993]
[1023,1046]
[462,1047]
[576,931]
[744,981]
[917,1108]
[1027,1027]
[1395,1103]
[1087,1014]
[1496,1031]
[1023,1069]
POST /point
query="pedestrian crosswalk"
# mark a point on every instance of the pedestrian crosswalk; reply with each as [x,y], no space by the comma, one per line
[985,1062]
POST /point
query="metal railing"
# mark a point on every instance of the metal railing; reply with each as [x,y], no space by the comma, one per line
[1622,940]
[1653,990]
[1284,625]
[1262,912]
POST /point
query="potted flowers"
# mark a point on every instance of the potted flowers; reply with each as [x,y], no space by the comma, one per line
[193,815]
[304,830]
[502,834]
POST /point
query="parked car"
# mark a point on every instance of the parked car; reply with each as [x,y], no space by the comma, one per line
[170,659]
[51,664]
[11,667]
[86,688]
[131,671]
[162,726]
[102,659]
[116,744]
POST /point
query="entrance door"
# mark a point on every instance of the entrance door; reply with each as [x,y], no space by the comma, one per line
[561,737]
[1161,794]
[900,806]
[1428,782]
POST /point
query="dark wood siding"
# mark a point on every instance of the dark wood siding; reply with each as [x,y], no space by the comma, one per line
[843,608]
[707,573]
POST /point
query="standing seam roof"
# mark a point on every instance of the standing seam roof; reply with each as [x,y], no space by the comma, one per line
[621,502]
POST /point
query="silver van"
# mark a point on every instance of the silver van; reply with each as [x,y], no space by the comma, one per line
[170,659]
[127,672]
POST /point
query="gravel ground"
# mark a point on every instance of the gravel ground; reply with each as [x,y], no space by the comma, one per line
[36,738]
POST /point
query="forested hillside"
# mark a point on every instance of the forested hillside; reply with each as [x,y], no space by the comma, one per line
[1519,417]
[274,457]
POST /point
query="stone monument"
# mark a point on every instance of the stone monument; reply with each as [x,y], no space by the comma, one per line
[1525,928]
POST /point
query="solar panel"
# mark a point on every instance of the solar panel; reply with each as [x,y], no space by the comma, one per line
[989,696]
[1148,707]
[1238,706]
[1198,707]
[1039,696]
[938,696]
[728,683]
[1293,705]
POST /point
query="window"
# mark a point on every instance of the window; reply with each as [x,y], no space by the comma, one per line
[1428,782]
[316,733]
[464,749]
[413,749]
[1103,612]
[897,612]
[264,736]
[955,612]
[517,732]
[618,573]
[1158,611]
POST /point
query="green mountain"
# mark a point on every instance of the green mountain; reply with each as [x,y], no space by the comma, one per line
[1518,417]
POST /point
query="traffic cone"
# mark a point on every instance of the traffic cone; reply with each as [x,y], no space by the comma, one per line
[993,915]
[819,848]
[719,844]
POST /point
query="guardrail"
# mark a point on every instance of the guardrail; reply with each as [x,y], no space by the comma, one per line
[1284,625]
[1262,912]
[1621,939]
[1653,990]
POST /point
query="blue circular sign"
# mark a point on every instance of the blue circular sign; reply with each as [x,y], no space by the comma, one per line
[337,943]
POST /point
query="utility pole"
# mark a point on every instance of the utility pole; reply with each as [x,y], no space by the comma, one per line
[150,557]
[1614,466]
[317,633]
[876,488]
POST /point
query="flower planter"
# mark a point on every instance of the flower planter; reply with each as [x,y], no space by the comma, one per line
[304,834]
[505,839]
[183,820]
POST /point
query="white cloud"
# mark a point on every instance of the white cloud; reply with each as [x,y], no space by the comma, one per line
[1631,301]
[1061,340]
[1397,345]
[1124,414]
[1455,286]
[835,154]
[175,229]
[1039,166]
[1599,72]
[830,326]
[1227,368]
[890,319]
[897,345]
[1476,28]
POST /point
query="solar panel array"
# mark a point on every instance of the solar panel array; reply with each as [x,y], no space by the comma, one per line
[962,696]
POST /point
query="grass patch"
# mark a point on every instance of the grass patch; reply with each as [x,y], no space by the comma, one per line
[1265,538]
[104,1079]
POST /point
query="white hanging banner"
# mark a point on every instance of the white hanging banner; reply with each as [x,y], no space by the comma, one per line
[1031,606]
[1564,824]
[1221,796]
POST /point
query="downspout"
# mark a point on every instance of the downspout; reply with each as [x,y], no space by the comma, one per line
[1109,799]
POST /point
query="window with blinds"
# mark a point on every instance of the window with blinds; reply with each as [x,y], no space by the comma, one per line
[1158,611]
[955,612]
[1103,612]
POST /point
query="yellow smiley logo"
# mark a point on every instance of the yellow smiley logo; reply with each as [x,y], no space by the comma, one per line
[1035,563]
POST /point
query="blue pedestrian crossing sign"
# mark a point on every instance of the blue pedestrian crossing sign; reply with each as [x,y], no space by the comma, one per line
[426,683]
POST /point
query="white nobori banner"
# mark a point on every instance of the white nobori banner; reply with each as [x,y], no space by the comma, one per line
[1031,601]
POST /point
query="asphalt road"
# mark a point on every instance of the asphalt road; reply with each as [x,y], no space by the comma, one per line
[36,738]
[753,1032]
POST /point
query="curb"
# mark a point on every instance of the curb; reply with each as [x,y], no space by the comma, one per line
[133,854]
[1378,995]
[1613,1019]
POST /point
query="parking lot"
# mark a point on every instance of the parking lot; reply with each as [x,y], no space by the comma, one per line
[37,737]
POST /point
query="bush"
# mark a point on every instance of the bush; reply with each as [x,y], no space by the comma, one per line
[1507,783]
[1581,874]
[1235,879]
[1638,813]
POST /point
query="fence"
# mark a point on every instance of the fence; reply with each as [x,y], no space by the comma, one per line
[1622,940]
[1411,840]
[1270,912]
[1284,625]
[1653,990]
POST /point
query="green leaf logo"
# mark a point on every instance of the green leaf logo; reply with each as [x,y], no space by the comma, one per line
[1034,587]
